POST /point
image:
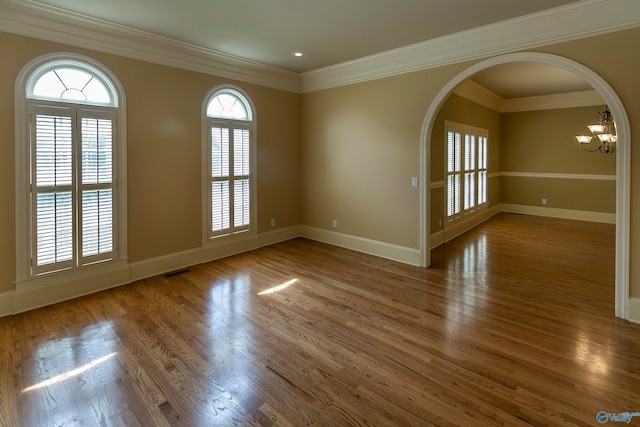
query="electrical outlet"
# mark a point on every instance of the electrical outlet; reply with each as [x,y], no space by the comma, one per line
[335,223]
[273,222]
[544,201]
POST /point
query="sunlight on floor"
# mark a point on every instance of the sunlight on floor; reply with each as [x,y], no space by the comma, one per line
[593,359]
[69,374]
[278,288]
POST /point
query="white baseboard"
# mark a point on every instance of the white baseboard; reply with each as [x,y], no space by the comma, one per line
[163,264]
[30,298]
[436,239]
[279,235]
[372,247]
[452,231]
[634,309]
[210,252]
[35,296]
[6,303]
[608,218]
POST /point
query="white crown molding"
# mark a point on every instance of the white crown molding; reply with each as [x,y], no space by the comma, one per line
[477,93]
[565,23]
[574,21]
[474,92]
[54,24]
[551,102]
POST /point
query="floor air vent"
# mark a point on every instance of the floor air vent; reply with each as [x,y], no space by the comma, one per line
[175,273]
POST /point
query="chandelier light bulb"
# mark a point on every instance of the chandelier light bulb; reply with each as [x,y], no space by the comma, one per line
[584,139]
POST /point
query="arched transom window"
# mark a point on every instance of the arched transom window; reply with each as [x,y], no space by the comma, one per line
[71,81]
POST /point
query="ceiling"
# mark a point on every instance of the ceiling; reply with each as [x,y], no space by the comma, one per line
[328,32]
[523,80]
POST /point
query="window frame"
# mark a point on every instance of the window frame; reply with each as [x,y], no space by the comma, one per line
[27,275]
[210,237]
[468,169]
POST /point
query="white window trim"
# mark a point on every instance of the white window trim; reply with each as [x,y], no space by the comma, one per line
[252,231]
[479,207]
[23,229]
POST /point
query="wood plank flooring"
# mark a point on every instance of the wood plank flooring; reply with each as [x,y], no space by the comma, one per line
[513,325]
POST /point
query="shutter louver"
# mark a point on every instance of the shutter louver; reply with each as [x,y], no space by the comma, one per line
[220,191]
[241,202]
[220,206]
[54,228]
[454,140]
[241,196]
[53,188]
[97,222]
[97,195]
[469,172]
[54,151]
[482,170]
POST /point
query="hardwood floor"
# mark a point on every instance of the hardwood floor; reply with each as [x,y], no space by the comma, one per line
[513,325]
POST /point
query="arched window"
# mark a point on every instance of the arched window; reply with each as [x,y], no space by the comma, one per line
[70,172]
[71,81]
[229,153]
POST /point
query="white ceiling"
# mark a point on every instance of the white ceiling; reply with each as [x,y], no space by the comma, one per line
[327,31]
[522,80]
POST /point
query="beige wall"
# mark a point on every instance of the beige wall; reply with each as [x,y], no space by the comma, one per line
[361,143]
[164,141]
[346,153]
[544,142]
[360,148]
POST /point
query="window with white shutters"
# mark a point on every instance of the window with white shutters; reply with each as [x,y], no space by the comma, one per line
[466,186]
[71,165]
[229,148]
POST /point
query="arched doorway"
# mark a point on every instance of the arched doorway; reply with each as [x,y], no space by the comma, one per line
[623,156]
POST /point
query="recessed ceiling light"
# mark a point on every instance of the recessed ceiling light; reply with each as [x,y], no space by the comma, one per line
[297,54]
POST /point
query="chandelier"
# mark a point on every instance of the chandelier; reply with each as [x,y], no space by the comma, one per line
[605,131]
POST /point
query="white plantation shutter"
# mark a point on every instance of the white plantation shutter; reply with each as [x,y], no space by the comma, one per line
[96,190]
[54,230]
[52,193]
[482,170]
[241,176]
[469,172]
[220,167]
[466,186]
[230,176]
[72,187]
[454,149]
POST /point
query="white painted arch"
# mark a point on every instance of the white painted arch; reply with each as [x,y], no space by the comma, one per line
[623,159]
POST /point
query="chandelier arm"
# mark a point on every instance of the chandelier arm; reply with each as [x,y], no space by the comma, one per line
[598,148]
